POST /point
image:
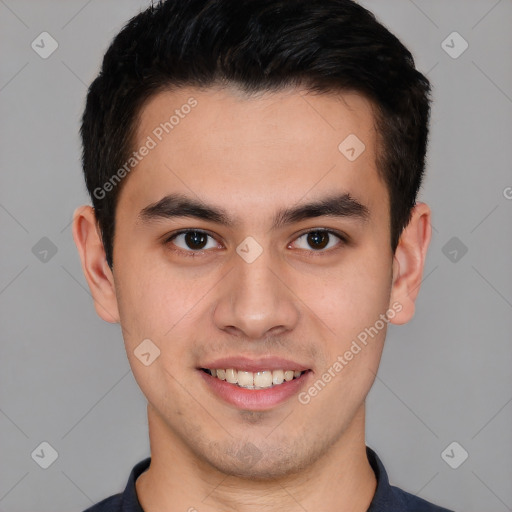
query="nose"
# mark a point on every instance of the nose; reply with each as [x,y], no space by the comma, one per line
[256,300]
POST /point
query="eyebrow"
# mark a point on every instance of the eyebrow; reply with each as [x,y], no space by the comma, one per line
[179,205]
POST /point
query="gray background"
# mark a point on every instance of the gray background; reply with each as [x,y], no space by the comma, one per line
[444,377]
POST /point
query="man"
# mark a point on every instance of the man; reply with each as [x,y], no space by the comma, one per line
[254,167]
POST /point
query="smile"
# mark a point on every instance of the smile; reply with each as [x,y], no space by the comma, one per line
[254,380]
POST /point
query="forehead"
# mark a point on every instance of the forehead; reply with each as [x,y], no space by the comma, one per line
[294,115]
[222,144]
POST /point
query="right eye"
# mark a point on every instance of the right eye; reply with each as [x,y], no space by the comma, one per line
[191,241]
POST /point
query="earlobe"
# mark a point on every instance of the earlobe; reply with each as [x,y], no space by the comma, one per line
[100,279]
[409,261]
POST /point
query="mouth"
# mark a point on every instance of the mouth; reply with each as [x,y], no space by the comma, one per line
[260,390]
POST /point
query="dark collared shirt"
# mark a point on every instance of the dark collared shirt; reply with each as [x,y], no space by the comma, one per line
[387,498]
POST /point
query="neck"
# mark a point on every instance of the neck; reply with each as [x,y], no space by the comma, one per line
[342,480]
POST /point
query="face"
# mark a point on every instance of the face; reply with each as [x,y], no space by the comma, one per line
[249,272]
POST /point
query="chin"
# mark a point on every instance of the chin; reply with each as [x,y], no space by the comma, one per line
[247,461]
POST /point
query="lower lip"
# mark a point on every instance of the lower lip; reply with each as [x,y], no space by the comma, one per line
[254,399]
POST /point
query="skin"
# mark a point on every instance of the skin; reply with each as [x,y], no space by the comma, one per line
[252,156]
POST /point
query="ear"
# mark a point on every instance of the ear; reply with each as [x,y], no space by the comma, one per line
[87,237]
[408,262]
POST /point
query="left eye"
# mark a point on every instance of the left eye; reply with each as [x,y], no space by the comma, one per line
[318,240]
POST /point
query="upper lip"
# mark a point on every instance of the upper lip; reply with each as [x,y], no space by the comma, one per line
[254,365]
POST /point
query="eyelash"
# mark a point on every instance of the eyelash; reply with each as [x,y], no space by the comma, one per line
[311,253]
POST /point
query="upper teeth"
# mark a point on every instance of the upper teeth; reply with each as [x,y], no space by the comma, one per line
[253,380]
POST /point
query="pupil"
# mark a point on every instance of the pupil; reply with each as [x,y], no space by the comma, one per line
[318,239]
[195,239]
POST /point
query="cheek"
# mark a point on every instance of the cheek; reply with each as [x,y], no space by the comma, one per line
[152,311]
[158,303]
[351,306]
[155,297]
[353,296]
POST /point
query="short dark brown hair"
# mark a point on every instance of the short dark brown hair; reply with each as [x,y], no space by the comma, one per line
[257,45]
